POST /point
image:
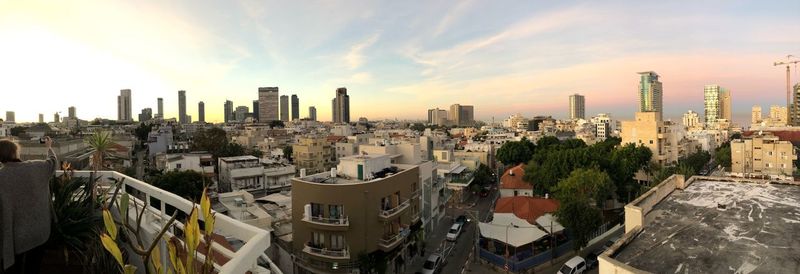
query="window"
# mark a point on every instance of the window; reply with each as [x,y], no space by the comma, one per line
[316,210]
[651,142]
[769,153]
[337,242]
[317,240]
[335,211]
[178,166]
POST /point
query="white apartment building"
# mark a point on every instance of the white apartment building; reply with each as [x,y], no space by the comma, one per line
[250,174]
[200,162]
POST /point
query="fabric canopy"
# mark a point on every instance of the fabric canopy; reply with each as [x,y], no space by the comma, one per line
[545,221]
[520,232]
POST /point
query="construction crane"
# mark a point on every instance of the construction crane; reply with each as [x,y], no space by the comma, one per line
[788,63]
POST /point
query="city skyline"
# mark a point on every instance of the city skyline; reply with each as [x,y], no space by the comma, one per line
[523,58]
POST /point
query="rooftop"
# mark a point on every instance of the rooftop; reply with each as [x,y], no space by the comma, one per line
[715,226]
[512,178]
[527,208]
[239,158]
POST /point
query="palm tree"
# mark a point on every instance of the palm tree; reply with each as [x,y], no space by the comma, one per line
[100,141]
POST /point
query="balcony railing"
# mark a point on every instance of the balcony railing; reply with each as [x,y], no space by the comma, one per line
[245,259]
[331,221]
[416,193]
[343,254]
[395,211]
[389,242]
[333,224]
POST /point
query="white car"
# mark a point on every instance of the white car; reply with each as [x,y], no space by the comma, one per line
[576,265]
[454,231]
[432,264]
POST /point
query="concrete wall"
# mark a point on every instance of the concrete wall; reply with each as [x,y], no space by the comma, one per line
[636,211]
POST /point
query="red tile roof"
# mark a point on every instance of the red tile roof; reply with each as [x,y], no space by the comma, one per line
[336,138]
[512,178]
[525,207]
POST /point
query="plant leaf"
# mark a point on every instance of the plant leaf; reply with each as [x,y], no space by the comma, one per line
[129,269]
[111,246]
[123,205]
[111,227]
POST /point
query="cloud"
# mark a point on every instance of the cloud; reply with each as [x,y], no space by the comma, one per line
[459,10]
[355,57]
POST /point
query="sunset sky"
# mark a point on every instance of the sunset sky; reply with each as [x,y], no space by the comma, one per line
[396,58]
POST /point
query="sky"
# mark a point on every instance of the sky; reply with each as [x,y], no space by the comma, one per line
[396,58]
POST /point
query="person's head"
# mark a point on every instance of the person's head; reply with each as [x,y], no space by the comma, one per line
[9,151]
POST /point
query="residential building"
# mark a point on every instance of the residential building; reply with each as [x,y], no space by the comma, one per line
[512,183]
[56,119]
[200,162]
[229,117]
[159,141]
[240,114]
[778,116]
[314,154]
[295,107]
[461,115]
[650,131]
[124,105]
[146,115]
[312,113]
[341,106]
[268,104]
[201,112]
[759,155]
[41,118]
[577,107]
[284,108]
[717,102]
[691,121]
[755,117]
[726,105]
[255,110]
[437,116]
[650,94]
[71,112]
[602,126]
[240,173]
[160,109]
[516,121]
[708,225]
[375,209]
[182,107]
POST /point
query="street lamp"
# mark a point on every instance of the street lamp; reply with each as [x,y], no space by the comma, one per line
[507,227]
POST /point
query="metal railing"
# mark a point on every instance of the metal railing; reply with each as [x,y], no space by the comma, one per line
[391,211]
[391,239]
[331,221]
[242,260]
[341,253]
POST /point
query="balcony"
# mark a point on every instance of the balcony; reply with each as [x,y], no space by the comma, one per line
[330,224]
[254,241]
[416,193]
[395,212]
[389,242]
[343,254]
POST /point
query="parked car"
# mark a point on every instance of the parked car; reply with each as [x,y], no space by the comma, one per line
[462,219]
[454,231]
[432,264]
[591,258]
[576,265]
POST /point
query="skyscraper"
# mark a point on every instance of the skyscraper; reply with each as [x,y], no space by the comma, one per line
[756,117]
[124,105]
[726,109]
[295,107]
[267,104]
[228,111]
[577,107]
[160,113]
[255,110]
[650,94]
[41,118]
[284,108]
[794,112]
[72,114]
[182,107]
[341,106]
[711,96]
[56,118]
[10,117]
[461,115]
[241,113]
[201,112]
[312,113]
[146,115]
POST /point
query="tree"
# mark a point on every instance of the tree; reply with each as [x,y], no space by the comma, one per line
[277,124]
[287,152]
[17,131]
[483,176]
[142,131]
[209,139]
[188,184]
[101,142]
[230,150]
[579,196]
[513,153]
[257,153]
[722,155]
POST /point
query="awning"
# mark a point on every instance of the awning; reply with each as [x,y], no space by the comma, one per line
[507,228]
[547,220]
[458,170]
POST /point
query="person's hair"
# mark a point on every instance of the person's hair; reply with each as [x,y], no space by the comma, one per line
[9,151]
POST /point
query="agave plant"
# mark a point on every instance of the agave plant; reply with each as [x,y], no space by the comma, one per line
[101,142]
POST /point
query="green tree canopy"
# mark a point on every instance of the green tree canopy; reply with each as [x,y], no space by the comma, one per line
[188,184]
[287,152]
[579,196]
[483,176]
[513,153]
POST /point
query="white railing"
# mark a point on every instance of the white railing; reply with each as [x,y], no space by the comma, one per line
[386,213]
[391,240]
[342,254]
[331,221]
[245,259]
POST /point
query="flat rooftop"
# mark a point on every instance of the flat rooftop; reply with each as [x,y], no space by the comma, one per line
[720,227]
